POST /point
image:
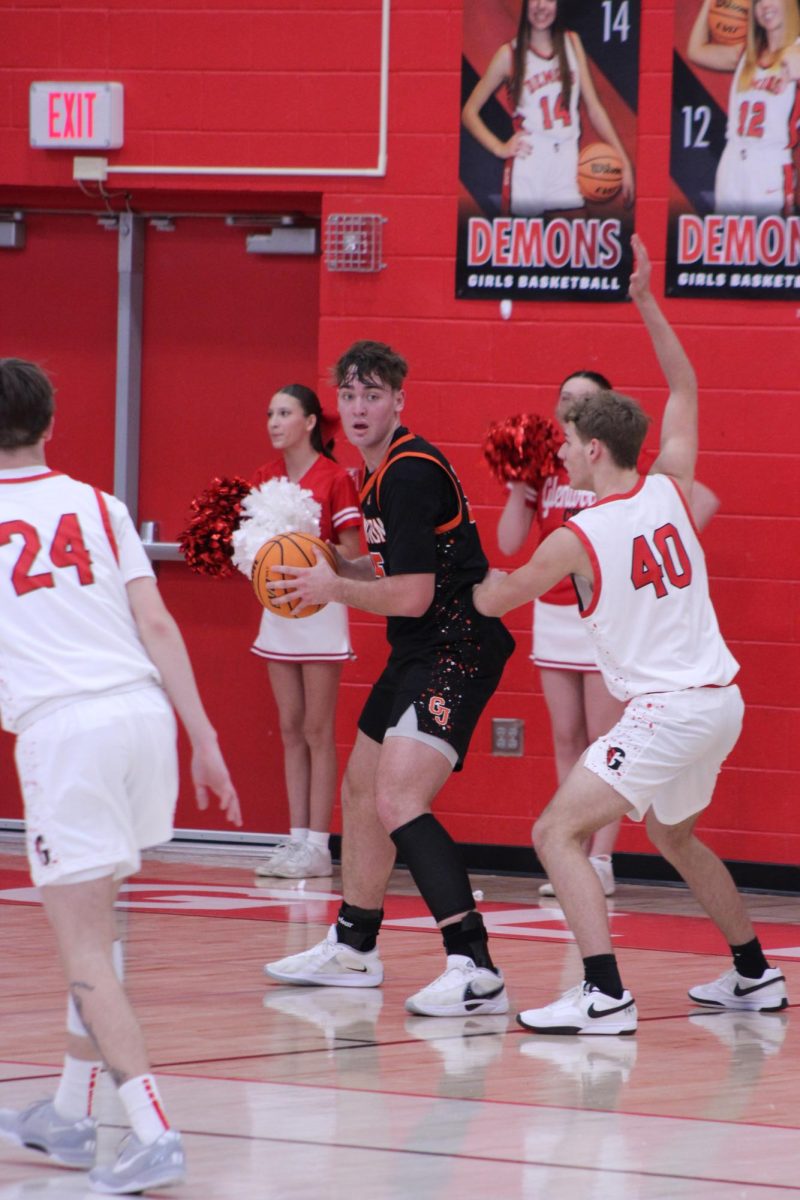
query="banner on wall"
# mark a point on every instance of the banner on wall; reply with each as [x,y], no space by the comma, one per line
[547,192]
[732,230]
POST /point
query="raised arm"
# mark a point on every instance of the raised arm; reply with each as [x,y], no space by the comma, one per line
[678,444]
[712,55]
[498,71]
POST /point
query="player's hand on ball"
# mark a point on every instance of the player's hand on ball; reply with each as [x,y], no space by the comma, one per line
[308,587]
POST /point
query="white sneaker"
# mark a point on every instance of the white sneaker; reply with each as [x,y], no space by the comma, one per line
[462,990]
[732,990]
[275,857]
[139,1168]
[466,1044]
[39,1127]
[742,1032]
[330,964]
[303,861]
[604,870]
[583,1009]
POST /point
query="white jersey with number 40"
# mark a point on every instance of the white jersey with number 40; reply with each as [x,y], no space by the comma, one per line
[649,612]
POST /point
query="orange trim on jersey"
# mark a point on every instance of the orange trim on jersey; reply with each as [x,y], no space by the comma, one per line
[106,519]
[393,458]
[367,487]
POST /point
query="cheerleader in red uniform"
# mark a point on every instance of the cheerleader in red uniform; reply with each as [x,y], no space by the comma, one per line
[305,658]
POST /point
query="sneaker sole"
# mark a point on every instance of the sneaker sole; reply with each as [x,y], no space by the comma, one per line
[143,1183]
[740,1006]
[610,1029]
[278,874]
[347,981]
[478,1008]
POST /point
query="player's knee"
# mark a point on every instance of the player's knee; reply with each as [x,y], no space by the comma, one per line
[392,810]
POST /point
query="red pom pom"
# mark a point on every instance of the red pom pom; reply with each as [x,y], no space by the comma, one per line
[523,449]
[206,541]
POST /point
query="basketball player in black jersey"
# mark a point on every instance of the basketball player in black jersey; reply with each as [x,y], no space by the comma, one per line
[445,662]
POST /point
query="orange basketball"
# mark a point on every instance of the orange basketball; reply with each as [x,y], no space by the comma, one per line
[599,172]
[727,21]
[286,550]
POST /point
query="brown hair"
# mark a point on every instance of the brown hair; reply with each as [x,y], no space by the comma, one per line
[615,420]
[370,362]
[520,49]
[26,403]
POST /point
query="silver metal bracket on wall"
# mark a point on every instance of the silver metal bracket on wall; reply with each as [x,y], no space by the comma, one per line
[128,411]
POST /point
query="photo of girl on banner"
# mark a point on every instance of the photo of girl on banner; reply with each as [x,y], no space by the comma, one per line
[733,228]
[549,99]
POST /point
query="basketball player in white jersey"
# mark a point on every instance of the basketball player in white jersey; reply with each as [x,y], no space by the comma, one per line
[547,74]
[89,662]
[756,170]
[641,575]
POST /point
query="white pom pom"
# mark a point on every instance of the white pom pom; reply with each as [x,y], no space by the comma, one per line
[277,506]
[506,308]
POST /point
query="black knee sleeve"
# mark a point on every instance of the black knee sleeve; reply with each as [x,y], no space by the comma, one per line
[435,864]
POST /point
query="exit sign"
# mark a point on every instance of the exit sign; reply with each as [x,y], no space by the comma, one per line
[76,116]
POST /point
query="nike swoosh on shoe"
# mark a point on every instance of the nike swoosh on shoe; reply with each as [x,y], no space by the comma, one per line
[606,1012]
[470,995]
[363,970]
[740,991]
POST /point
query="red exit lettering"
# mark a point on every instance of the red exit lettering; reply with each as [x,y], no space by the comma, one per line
[71,114]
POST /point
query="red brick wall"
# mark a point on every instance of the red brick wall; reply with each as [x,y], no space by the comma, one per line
[233,83]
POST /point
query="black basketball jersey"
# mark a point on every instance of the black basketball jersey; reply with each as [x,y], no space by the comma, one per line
[417,521]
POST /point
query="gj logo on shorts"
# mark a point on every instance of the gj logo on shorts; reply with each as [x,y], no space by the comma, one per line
[615,757]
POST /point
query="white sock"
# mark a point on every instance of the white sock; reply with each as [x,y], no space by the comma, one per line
[320,840]
[145,1110]
[296,834]
[73,1098]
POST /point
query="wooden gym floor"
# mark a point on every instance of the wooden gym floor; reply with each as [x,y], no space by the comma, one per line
[293,1093]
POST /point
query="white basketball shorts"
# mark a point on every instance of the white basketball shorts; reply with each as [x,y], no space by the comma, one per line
[666,750]
[99,779]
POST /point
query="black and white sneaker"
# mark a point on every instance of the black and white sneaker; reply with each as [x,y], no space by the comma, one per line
[462,990]
[732,990]
[583,1009]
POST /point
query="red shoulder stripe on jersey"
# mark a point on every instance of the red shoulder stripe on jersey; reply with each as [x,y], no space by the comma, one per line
[106,519]
[637,487]
[597,583]
[31,478]
[448,525]
[685,504]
